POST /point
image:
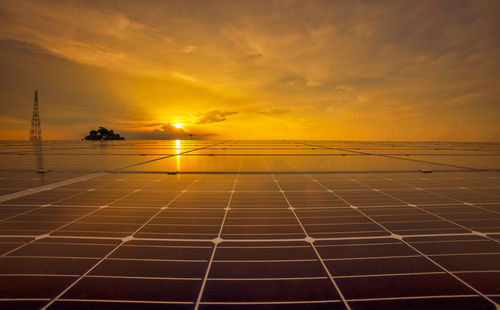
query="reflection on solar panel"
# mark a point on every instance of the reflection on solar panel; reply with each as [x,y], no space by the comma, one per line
[249,225]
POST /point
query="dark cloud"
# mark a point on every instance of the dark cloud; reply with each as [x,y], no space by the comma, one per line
[167,132]
[214,116]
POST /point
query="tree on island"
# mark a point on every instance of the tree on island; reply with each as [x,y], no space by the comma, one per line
[103,134]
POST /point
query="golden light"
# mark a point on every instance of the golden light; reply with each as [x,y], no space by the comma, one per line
[178,146]
[178,125]
[178,151]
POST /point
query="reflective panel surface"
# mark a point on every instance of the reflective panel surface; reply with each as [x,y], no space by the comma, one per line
[249,225]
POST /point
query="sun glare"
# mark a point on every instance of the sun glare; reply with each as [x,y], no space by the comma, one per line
[178,125]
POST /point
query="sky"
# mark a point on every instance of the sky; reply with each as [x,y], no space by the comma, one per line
[339,70]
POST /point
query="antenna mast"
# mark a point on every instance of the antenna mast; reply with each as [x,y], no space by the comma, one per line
[36,131]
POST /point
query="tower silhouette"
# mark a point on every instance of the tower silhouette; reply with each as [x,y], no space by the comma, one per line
[36,131]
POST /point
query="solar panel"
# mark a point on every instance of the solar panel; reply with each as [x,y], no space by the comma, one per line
[250,225]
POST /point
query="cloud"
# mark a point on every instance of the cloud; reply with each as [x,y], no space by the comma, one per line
[166,132]
[312,83]
[189,49]
[334,62]
[214,116]
[169,131]
[184,77]
[344,88]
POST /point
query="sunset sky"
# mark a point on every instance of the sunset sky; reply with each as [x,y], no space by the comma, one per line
[349,70]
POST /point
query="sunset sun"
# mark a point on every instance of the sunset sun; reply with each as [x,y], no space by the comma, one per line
[178,125]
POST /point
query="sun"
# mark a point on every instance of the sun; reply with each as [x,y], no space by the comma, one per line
[178,125]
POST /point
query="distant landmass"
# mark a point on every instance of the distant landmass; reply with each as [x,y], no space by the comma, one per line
[103,134]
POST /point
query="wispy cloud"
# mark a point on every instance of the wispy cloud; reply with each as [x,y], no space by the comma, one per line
[214,116]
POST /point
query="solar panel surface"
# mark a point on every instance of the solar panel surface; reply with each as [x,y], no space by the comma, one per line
[249,225]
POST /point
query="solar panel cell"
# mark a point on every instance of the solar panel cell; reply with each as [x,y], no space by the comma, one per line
[256,225]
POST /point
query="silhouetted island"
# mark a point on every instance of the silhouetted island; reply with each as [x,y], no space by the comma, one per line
[103,134]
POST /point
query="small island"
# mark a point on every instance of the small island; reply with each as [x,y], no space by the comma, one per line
[103,134]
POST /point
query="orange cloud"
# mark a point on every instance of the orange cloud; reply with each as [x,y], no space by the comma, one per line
[340,70]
